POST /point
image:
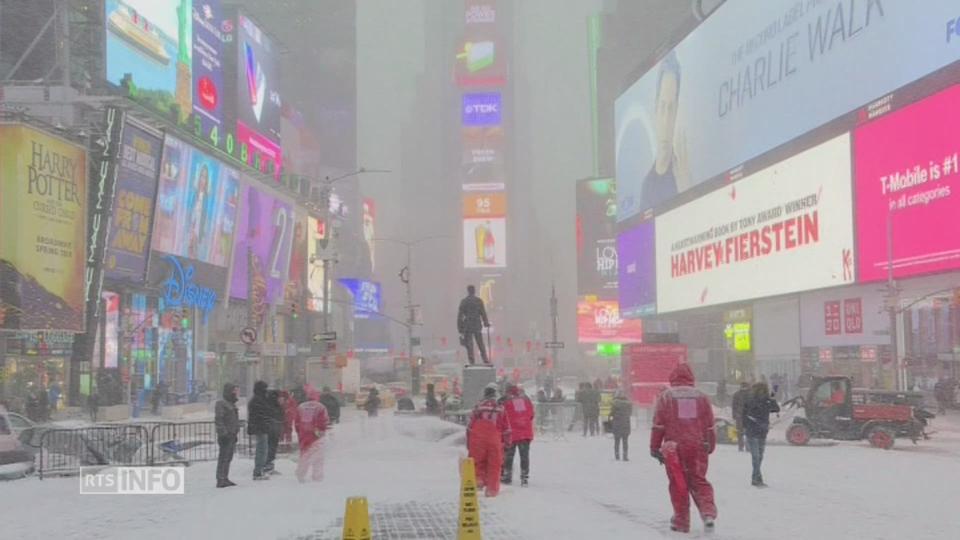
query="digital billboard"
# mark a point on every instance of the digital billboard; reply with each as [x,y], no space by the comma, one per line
[481,109]
[906,163]
[784,229]
[482,160]
[481,59]
[296,284]
[197,196]
[208,66]
[43,230]
[316,246]
[636,270]
[258,102]
[366,297]
[599,321]
[597,261]
[369,226]
[755,75]
[261,256]
[130,228]
[484,242]
[149,43]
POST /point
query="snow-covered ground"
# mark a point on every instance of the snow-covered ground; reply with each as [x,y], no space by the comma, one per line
[577,490]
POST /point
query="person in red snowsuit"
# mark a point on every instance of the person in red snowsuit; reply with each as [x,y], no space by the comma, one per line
[289,406]
[488,432]
[682,438]
[312,422]
[519,410]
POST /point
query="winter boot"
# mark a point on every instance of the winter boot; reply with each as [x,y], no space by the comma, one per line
[708,523]
[523,482]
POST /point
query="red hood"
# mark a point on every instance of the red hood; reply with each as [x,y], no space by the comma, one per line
[682,376]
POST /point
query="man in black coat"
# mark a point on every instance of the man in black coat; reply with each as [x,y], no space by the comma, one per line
[274,430]
[739,399]
[330,401]
[227,421]
[471,320]
[756,424]
[258,425]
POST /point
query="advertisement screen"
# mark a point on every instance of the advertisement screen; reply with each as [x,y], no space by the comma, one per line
[196,208]
[264,233]
[366,297]
[316,245]
[787,228]
[208,59]
[906,163]
[150,40]
[296,284]
[43,242]
[637,284]
[111,329]
[485,205]
[481,59]
[484,242]
[259,106]
[706,106]
[599,321]
[370,231]
[129,240]
[597,238]
[481,109]
[482,162]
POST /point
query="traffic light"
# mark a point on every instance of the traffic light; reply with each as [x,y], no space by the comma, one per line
[185,318]
[294,309]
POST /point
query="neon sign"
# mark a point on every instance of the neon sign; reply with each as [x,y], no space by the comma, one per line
[179,290]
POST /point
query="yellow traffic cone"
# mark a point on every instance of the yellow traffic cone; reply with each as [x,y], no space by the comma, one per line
[356,519]
[468,526]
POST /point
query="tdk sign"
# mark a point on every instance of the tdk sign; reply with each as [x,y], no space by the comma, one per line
[953,30]
[481,109]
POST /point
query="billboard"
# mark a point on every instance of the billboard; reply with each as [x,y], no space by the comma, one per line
[706,106]
[149,41]
[129,239]
[195,213]
[599,321]
[597,259]
[261,255]
[905,163]
[784,229]
[207,61]
[43,231]
[646,369]
[481,59]
[366,297]
[481,109]
[482,161]
[296,284]
[258,106]
[484,242]
[316,247]
[844,317]
[636,273]
[369,227]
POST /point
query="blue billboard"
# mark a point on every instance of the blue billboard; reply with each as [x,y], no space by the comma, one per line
[756,75]
[481,109]
[366,297]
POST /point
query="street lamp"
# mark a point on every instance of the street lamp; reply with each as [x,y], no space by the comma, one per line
[405,277]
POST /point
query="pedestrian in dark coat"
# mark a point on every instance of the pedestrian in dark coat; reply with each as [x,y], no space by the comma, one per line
[274,430]
[372,405]
[332,404]
[227,422]
[621,414]
[756,424]
[258,425]
[739,399]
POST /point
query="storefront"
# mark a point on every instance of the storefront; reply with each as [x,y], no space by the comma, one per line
[36,363]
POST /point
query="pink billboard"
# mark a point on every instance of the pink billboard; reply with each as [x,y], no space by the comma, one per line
[905,165]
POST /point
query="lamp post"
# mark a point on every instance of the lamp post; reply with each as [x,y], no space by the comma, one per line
[406,278]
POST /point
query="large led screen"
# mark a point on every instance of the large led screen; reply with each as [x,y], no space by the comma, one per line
[261,260]
[784,229]
[755,75]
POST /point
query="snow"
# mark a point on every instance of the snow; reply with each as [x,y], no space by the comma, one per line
[842,490]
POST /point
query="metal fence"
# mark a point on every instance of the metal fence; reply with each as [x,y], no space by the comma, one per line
[64,451]
[557,419]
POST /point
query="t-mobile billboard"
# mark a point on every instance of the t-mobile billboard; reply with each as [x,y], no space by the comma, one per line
[637,271]
[785,229]
[906,164]
[755,75]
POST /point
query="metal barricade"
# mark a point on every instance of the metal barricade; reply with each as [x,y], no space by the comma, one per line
[188,442]
[555,419]
[64,451]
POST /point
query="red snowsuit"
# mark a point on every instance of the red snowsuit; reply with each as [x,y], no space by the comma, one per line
[519,411]
[312,422]
[487,433]
[683,431]
[289,417]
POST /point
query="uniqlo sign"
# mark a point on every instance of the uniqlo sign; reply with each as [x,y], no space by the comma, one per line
[831,318]
[853,316]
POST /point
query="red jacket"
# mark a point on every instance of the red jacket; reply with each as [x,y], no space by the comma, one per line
[312,422]
[519,410]
[488,417]
[683,414]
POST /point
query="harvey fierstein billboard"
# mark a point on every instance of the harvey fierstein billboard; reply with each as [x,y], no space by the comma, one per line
[784,229]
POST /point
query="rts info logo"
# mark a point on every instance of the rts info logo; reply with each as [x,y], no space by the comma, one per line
[132,481]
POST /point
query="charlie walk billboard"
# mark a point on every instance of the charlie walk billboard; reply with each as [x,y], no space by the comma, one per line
[43,232]
[785,229]
[262,251]
[755,75]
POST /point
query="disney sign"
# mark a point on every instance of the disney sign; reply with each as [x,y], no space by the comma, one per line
[179,290]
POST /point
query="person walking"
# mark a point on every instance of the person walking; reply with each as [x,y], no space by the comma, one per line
[520,414]
[591,410]
[93,404]
[736,408]
[312,423]
[332,404]
[471,320]
[274,431]
[258,425]
[227,422]
[431,405]
[621,415]
[488,432]
[756,424]
[372,405]
[682,439]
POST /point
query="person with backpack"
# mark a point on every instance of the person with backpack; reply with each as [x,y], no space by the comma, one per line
[519,411]
[488,432]
[756,424]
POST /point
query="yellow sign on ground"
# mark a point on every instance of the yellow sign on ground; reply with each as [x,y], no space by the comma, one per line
[356,519]
[468,525]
